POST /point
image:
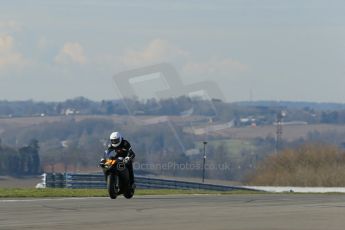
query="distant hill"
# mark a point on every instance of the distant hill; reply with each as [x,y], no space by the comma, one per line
[295,105]
[241,113]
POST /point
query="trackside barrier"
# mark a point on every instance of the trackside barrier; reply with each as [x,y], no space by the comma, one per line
[79,180]
[54,180]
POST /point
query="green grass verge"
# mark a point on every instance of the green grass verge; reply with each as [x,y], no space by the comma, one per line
[60,192]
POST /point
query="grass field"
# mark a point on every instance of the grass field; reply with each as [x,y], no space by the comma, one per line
[290,132]
[11,187]
[232,145]
[59,192]
[22,122]
[19,182]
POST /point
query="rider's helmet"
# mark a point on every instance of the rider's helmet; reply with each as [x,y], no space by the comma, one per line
[115,139]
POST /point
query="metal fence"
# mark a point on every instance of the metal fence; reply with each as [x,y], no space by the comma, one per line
[79,180]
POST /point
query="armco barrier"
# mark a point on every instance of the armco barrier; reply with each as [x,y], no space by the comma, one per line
[54,180]
[78,180]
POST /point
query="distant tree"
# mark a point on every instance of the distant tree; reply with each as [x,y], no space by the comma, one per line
[329,117]
[35,163]
[29,162]
[12,160]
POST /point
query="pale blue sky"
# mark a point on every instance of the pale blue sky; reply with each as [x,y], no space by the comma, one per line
[269,49]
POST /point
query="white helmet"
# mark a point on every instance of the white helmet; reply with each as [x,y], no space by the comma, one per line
[115,139]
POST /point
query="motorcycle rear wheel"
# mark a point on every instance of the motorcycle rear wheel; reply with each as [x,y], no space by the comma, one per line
[129,194]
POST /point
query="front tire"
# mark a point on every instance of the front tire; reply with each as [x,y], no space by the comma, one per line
[112,186]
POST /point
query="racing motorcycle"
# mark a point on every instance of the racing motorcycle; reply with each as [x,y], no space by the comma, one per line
[117,177]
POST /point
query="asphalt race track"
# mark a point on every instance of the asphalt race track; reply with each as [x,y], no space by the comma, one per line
[267,211]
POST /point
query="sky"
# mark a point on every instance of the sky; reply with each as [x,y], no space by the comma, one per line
[284,50]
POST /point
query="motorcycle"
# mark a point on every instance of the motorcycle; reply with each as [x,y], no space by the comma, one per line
[117,177]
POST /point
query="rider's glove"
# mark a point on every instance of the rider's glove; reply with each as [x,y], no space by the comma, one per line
[102,162]
[126,160]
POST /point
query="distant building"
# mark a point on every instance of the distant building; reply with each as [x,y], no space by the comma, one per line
[70,112]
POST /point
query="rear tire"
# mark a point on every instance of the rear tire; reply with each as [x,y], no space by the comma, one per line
[129,194]
[112,186]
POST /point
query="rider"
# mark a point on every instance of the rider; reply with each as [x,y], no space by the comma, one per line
[121,148]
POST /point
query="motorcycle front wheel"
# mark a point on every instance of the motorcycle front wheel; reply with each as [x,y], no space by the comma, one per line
[112,186]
